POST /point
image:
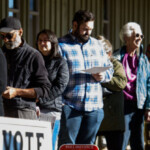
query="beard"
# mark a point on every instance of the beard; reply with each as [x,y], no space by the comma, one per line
[13,44]
[82,38]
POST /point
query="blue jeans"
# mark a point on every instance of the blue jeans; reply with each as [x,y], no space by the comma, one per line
[55,133]
[79,127]
[134,127]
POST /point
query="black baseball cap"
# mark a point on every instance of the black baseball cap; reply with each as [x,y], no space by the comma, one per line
[10,23]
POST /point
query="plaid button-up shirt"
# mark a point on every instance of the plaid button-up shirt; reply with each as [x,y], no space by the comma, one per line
[83,92]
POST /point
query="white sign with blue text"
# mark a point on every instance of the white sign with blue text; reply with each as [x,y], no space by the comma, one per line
[24,134]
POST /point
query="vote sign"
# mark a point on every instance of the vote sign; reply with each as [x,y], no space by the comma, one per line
[24,134]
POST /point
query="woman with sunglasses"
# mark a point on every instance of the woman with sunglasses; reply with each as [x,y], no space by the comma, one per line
[137,90]
[57,68]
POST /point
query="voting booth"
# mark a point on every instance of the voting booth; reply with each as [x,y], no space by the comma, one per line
[24,134]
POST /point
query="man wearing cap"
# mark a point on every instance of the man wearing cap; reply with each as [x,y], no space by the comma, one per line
[27,77]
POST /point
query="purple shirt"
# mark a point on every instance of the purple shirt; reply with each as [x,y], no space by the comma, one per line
[130,64]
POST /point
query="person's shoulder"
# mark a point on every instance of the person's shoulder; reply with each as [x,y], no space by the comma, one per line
[95,42]
[63,61]
[92,39]
[32,53]
[116,62]
[117,54]
[31,49]
[145,58]
[58,62]
[65,38]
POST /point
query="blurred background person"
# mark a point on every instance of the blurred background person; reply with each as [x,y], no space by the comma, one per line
[112,126]
[136,92]
[57,68]
[3,79]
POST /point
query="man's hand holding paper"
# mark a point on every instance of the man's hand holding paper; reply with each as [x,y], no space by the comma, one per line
[98,76]
[96,70]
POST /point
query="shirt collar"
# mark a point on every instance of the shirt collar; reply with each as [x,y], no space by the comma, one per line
[74,39]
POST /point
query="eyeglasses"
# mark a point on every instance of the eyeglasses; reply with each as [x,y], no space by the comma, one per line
[9,36]
[138,35]
[40,41]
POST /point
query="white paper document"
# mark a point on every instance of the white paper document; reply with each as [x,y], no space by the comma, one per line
[95,70]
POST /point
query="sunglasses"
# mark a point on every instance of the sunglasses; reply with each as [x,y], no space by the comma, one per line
[9,36]
[138,35]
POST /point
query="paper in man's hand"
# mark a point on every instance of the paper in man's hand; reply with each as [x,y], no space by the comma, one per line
[95,70]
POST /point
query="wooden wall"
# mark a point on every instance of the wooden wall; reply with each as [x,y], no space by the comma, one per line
[57,15]
[123,11]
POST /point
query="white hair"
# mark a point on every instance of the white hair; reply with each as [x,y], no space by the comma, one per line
[128,29]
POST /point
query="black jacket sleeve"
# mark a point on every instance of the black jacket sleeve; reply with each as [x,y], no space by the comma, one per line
[3,79]
[40,79]
[59,84]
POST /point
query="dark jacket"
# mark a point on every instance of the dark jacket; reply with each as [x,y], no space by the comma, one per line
[114,101]
[59,76]
[3,79]
[26,69]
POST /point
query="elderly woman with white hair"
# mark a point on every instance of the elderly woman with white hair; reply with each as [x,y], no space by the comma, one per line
[137,90]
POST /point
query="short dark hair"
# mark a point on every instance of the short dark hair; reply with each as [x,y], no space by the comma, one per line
[54,41]
[82,16]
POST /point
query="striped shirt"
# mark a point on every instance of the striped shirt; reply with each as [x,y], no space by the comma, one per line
[83,92]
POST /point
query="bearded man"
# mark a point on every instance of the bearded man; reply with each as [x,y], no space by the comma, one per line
[83,104]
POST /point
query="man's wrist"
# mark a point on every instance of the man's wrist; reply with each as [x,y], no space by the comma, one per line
[18,92]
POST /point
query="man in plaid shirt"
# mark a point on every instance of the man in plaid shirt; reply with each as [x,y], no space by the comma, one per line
[83,104]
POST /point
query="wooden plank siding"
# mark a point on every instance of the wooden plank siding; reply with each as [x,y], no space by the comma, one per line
[60,14]
[57,15]
[129,11]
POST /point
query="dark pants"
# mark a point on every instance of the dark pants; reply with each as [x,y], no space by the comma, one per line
[79,127]
[114,140]
[134,126]
[20,113]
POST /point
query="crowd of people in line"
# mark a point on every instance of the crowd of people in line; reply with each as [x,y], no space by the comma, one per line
[49,82]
